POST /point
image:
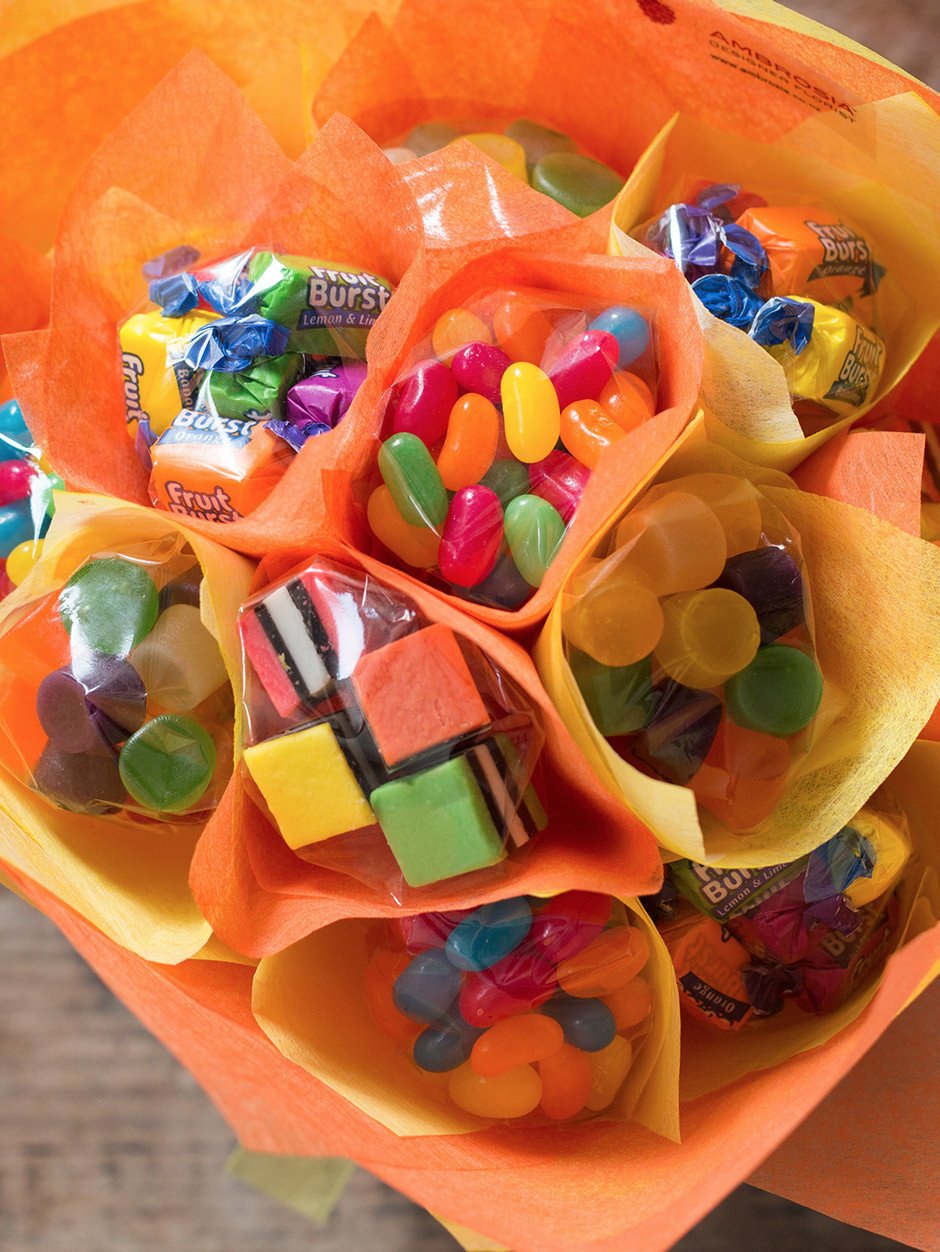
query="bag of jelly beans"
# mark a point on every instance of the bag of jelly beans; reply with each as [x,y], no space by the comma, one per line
[492,431]
[528,1010]
[380,742]
[115,698]
[689,634]
[544,158]
[234,365]
[26,505]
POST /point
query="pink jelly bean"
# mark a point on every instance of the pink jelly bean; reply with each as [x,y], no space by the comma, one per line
[473,533]
[480,366]
[585,367]
[421,402]
[429,930]
[517,983]
[560,479]
[568,923]
[15,480]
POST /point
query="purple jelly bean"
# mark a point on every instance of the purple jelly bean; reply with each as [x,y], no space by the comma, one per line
[585,367]
[677,740]
[771,582]
[479,367]
[324,397]
[560,479]
[472,536]
[421,402]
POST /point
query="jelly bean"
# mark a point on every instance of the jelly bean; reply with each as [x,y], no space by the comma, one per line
[479,367]
[444,1046]
[770,580]
[108,605]
[616,620]
[471,442]
[537,140]
[743,777]
[416,546]
[56,483]
[180,661]
[16,526]
[627,400]
[421,402]
[576,182]
[519,1040]
[504,589]
[681,732]
[584,367]
[16,442]
[512,1094]
[531,416]
[399,156]
[429,137]
[628,327]
[566,1083]
[707,636]
[588,1024]
[508,478]
[609,1069]
[560,479]
[381,972]
[502,149]
[100,698]
[608,962]
[84,782]
[455,329]
[412,478]
[24,556]
[619,698]
[568,923]
[429,930]
[778,693]
[168,764]
[522,329]
[674,543]
[427,988]
[516,984]
[734,501]
[534,532]
[630,1004]
[587,431]
[489,934]
[15,480]
[473,535]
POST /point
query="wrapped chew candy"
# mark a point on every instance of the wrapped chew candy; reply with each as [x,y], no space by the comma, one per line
[380,741]
[240,364]
[492,431]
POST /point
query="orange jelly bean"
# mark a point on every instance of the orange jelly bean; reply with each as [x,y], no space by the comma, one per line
[522,330]
[383,968]
[512,1094]
[456,328]
[471,441]
[586,431]
[612,959]
[516,1041]
[627,400]
[630,1004]
[417,546]
[673,543]
[609,1068]
[566,1082]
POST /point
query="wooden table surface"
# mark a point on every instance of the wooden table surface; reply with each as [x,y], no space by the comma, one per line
[107,1144]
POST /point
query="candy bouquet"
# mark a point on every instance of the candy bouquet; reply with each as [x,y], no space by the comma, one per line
[475,701]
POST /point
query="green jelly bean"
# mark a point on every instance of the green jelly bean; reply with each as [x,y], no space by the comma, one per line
[619,698]
[54,483]
[577,182]
[108,605]
[534,530]
[429,137]
[509,479]
[168,764]
[778,693]
[413,481]
[538,141]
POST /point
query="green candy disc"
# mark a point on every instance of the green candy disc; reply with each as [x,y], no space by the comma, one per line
[778,693]
[619,698]
[108,605]
[577,182]
[168,764]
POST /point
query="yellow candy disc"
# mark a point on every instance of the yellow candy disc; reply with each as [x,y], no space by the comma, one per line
[707,636]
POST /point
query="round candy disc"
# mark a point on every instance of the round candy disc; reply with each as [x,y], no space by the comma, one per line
[707,636]
[168,764]
[108,605]
[85,782]
[778,693]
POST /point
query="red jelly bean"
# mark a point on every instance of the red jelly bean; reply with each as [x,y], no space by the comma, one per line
[568,923]
[585,367]
[429,930]
[473,533]
[560,479]
[479,367]
[15,480]
[421,402]
[516,984]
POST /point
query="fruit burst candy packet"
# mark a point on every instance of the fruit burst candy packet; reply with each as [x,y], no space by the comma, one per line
[241,362]
[380,742]
[492,432]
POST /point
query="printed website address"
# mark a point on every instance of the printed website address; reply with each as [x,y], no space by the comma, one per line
[787,88]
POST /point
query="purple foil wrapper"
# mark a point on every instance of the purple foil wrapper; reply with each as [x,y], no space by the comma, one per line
[143,442]
[325,396]
[173,262]
[295,435]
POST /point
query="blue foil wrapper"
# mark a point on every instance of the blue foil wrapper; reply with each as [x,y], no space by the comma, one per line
[228,298]
[782,319]
[295,435]
[728,298]
[233,344]
[176,294]
[833,867]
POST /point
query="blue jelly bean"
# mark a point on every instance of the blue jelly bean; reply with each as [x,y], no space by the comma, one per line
[489,934]
[16,526]
[15,439]
[588,1024]
[443,1047]
[427,987]
[629,328]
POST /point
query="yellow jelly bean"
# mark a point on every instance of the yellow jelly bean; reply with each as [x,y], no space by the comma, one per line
[516,1041]
[531,415]
[456,328]
[512,1094]
[673,543]
[630,1004]
[609,1068]
[46,465]
[22,558]
[501,148]
[736,503]
[417,546]
[707,636]
[471,441]
[616,620]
